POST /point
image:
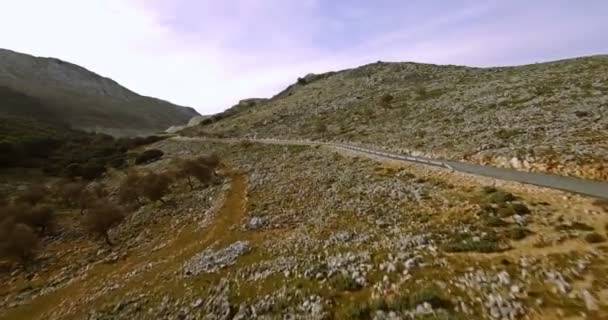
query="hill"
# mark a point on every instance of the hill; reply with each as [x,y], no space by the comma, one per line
[82,99]
[548,117]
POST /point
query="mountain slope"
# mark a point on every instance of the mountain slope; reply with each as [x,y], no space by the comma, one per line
[549,117]
[83,99]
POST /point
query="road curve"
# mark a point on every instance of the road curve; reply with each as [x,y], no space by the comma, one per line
[597,189]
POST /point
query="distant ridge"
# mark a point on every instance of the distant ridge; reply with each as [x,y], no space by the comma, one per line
[83,99]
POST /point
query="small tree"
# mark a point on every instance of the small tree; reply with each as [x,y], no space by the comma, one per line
[70,192]
[211,161]
[93,192]
[197,170]
[154,186]
[102,217]
[37,217]
[32,195]
[17,241]
[129,188]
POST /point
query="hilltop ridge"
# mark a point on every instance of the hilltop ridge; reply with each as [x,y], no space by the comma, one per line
[83,99]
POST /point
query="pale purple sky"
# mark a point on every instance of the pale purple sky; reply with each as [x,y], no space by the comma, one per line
[210,54]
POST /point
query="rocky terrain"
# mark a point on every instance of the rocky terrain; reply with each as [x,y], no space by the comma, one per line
[75,96]
[549,117]
[299,232]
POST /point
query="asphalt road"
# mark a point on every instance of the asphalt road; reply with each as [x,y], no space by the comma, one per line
[585,187]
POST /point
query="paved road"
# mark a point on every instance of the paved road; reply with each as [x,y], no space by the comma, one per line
[591,188]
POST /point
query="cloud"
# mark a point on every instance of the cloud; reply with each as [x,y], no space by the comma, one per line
[209,54]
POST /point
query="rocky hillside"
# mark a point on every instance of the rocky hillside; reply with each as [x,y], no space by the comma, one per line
[299,232]
[549,117]
[83,99]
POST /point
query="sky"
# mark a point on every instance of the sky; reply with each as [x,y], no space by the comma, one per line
[209,54]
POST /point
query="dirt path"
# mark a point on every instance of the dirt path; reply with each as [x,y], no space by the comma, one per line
[137,271]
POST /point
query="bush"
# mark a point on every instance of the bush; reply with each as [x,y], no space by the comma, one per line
[594,237]
[496,222]
[32,216]
[37,217]
[17,241]
[344,283]
[520,208]
[92,171]
[575,226]
[92,193]
[197,170]
[69,192]
[518,233]
[89,171]
[102,217]
[500,197]
[211,161]
[386,100]
[129,188]
[32,195]
[155,186]
[149,156]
